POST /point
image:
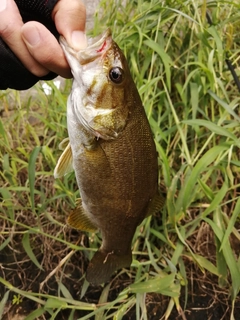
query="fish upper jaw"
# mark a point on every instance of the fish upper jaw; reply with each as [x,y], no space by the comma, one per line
[96,47]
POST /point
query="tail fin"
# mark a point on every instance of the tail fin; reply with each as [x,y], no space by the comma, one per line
[103,264]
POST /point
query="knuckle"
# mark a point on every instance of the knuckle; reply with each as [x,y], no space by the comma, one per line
[46,58]
[77,8]
[74,10]
[6,29]
[38,70]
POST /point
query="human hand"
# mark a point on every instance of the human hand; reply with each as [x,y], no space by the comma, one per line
[34,45]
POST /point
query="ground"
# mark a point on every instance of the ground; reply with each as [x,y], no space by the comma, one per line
[205,298]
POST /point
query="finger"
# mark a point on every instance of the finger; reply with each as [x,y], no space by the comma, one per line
[10,31]
[45,49]
[70,19]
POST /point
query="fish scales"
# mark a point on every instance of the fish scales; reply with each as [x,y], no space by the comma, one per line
[112,152]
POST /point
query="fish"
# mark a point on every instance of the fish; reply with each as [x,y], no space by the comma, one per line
[112,151]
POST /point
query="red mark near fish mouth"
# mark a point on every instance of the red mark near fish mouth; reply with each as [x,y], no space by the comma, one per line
[102,47]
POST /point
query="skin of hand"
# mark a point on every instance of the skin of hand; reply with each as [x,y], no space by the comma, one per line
[34,45]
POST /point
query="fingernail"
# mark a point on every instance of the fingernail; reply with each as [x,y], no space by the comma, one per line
[31,35]
[3,5]
[79,40]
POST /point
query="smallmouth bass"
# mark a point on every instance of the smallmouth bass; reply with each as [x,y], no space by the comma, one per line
[112,152]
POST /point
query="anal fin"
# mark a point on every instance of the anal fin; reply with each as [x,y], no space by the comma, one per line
[156,204]
[79,219]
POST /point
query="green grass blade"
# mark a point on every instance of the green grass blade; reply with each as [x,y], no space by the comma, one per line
[166,60]
[28,249]
[194,98]
[65,291]
[102,300]
[154,285]
[3,134]
[54,303]
[7,202]
[229,258]
[213,128]
[5,243]
[231,223]
[121,311]
[188,187]
[35,314]
[217,199]
[32,173]
[3,302]
[206,264]
[224,105]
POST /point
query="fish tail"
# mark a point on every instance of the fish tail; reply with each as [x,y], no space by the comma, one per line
[103,264]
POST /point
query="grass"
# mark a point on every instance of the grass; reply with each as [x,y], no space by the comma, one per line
[178,61]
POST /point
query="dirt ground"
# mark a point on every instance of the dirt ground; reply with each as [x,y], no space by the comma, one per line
[205,299]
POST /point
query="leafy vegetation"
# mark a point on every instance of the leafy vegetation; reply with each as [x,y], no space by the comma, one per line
[179,54]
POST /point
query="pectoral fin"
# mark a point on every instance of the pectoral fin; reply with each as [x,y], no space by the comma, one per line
[65,162]
[78,219]
[156,204]
[63,144]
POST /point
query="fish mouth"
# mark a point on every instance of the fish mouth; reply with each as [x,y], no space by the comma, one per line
[96,46]
[98,41]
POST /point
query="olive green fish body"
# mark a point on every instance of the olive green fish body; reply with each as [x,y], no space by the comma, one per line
[113,155]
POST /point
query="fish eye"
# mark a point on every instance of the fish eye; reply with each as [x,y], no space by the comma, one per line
[116,75]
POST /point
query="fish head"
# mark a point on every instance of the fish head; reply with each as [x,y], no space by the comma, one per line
[101,87]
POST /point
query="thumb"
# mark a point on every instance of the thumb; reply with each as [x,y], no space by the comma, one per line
[70,19]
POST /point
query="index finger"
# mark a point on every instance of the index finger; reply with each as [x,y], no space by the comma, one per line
[70,20]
